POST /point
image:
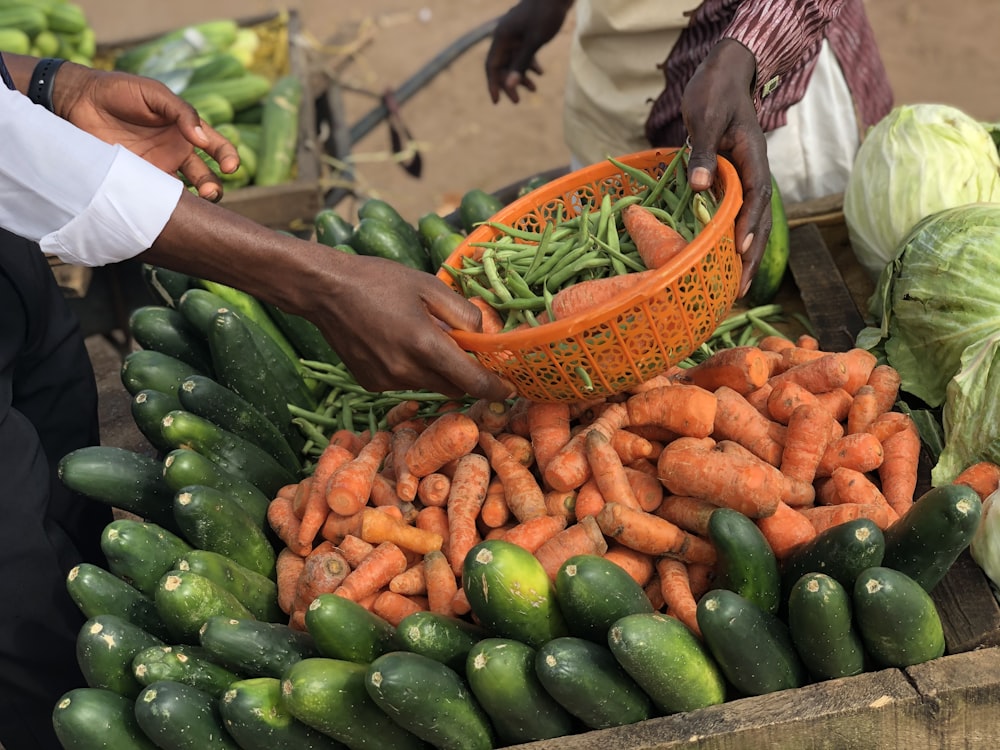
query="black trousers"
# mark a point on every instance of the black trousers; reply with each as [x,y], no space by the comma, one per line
[48,407]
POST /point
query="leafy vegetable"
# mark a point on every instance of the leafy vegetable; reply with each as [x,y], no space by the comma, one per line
[985,546]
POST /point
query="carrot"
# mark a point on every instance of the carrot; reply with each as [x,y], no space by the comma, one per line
[689,513]
[675,586]
[805,442]
[758,399]
[406,483]
[297,620]
[288,568]
[492,320]
[651,534]
[561,504]
[569,468]
[885,380]
[983,477]
[582,538]
[336,527]
[522,492]
[448,437]
[433,489]
[534,532]
[890,422]
[656,242]
[589,500]
[584,296]
[837,402]
[378,527]
[823,517]
[798,355]
[434,519]
[354,549]
[860,363]
[490,416]
[374,572]
[411,582]
[629,446]
[460,603]
[441,583]
[807,341]
[645,465]
[517,417]
[863,411]
[316,508]
[706,470]
[404,411]
[824,373]
[701,577]
[852,486]
[899,469]
[299,496]
[861,451]
[349,439]
[653,433]
[519,447]
[285,524]
[737,420]
[646,487]
[548,427]
[785,397]
[774,343]
[383,495]
[653,593]
[639,565]
[494,512]
[394,608]
[661,380]
[350,485]
[785,529]
[742,368]
[683,409]
[607,470]
[465,501]
[323,571]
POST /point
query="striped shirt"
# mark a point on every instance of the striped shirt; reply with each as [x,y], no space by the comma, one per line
[785,37]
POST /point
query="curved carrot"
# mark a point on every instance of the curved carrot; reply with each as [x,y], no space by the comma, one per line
[433,518]
[742,368]
[651,534]
[683,409]
[406,482]
[607,470]
[860,364]
[824,517]
[737,420]
[373,573]
[646,487]
[805,442]
[824,373]
[465,502]
[378,527]
[534,532]
[983,477]
[288,568]
[630,446]
[837,401]
[548,430]
[410,582]
[315,508]
[448,437]
[863,411]
[582,538]
[589,500]
[656,242]
[440,581]
[285,524]
[524,495]
[494,512]
[785,529]
[354,549]
[350,486]
[861,451]
[569,468]
[885,379]
[675,587]
[584,296]
[404,411]
[852,486]
[898,471]
[689,513]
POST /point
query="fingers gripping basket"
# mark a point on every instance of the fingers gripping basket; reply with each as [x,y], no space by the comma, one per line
[629,340]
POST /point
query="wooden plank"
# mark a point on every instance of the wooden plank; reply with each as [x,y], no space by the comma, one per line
[969,610]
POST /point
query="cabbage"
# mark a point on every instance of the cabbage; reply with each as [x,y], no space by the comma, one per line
[918,160]
[939,295]
[985,545]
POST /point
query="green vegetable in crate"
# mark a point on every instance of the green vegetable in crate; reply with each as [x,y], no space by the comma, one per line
[822,628]
[332,229]
[241,91]
[105,648]
[183,467]
[165,284]
[376,208]
[28,19]
[166,330]
[148,408]
[378,238]
[182,717]
[14,41]
[593,592]
[214,34]
[440,637]
[189,665]
[280,131]
[149,369]
[343,629]
[746,564]
[212,107]
[96,719]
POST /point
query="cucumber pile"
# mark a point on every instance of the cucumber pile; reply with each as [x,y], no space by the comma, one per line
[47,28]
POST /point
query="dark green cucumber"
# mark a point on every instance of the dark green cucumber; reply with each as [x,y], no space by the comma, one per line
[166,285]
[256,592]
[148,409]
[121,478]
[929,537]
[585,678]
[166,330]
[593,592]
[376,208]
[184,467]
[746,563]
[97,719]
[343,629]
[182,717]
[97,591]
[199,306]
[229,451]
[443,248]
[440,637]
[140,552]
[255,648]
[215,521]
[186,600]
[841,552]
[380,239]
[253,309]
[751,646]
[897,619]
[105,647]
[667,661]
[501,674]
[149,369]
[207,398]
[256,717]
[477,206]
[442,711]
[511,594]
[432,225]
[332,229]
[189,665]
[305,336]
[330,696]
[822,628]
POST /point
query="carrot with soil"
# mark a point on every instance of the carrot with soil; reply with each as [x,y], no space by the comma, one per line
[448,437]
[350,486]
[656,242]
[465,501]
[645,532]
[522,492]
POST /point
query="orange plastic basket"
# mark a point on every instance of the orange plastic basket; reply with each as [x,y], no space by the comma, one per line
[631,339]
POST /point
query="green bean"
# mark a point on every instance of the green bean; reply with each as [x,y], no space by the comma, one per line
[517,284]
[544,244]
[603,216]
[547,296]
[312,432]
[521,303]
[588,383]
[668,172]
[521,234]
[701,212]
[638,175]
[568,254]
[561,277]
[619,260]
[478,290]
[492,275]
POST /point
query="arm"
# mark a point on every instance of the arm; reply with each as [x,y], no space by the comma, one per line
[520,33]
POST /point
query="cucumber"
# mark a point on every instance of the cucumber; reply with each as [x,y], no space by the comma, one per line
[667,661]
[376,208]
[255,715]
[443,711]
[440,637]
[105,647]
[199,306]
[822,628]
[184,467]
[430,226]
[255,648]
[593,592]
[97,591]
[189,665]
[240,91]
[378,238]
[332,229]
[166,285]
[774,263]
[186,600]
[510,593]
[929,537]
[229,451]
[307,339]
[256,592]
[752,647]
[214,521]
[585,678]
[148,408]
[149,369]
[165,330]
[97,719]
[745,563]
[121,478]
[217,67]
[443,248]
[477,206]
[280,131]
[182,717]
[897,619]
[207,398]
[252,309]
[841,552]
[330,695]
[140,552]
[343,629]
[501,675]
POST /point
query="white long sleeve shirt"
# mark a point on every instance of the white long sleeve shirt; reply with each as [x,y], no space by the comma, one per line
[85,201]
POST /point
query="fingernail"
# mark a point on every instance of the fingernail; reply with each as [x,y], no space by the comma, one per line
[747,241]
[201,133]
[700,177]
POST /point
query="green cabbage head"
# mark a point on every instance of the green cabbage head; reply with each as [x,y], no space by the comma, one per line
[918,160]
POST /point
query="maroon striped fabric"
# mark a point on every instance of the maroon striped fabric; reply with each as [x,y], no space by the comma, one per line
[785,37]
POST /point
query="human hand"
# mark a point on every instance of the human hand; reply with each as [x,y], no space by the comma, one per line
[520,33]
[145,117]
[720,118]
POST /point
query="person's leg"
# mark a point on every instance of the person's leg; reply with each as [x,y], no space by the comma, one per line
[48,406]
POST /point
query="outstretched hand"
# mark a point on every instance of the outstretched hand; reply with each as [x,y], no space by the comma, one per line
[720,117]
[520,33]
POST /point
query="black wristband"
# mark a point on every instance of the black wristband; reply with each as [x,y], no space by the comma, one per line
[42,78]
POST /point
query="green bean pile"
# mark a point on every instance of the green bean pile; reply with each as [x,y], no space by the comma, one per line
[520,271]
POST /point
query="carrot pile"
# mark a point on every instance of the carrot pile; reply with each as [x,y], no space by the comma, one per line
[796,438]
